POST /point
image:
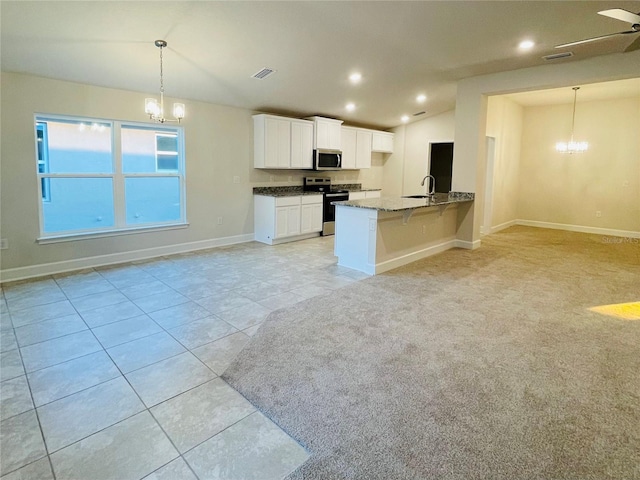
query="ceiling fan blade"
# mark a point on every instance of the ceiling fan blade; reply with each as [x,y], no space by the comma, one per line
[635,45]
[594,39]
[620,14]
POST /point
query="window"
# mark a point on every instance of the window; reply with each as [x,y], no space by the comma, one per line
[166,152]
[99,176]
[43,159]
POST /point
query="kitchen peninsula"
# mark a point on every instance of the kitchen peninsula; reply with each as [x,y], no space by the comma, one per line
[379,234]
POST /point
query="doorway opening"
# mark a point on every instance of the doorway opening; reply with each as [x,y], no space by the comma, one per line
[441,165]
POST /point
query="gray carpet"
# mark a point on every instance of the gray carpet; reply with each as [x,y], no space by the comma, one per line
[466,365]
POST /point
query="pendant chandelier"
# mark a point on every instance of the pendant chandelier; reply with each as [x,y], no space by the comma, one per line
[572,146]
[154,109]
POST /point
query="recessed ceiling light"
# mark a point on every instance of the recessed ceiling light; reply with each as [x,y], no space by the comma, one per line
[405,118]
[350,107]
[355,77]
[421,98]
[526,45]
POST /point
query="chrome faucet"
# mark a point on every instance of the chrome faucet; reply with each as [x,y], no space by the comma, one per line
[432,181]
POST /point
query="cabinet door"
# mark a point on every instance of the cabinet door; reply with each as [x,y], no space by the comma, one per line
[277,143]
[348,148]
[357,195]
[293,220]
[306,218]
[311,218]
[301,145]
[382,142]
[322,134]
[363,149]
[335,136]
[316,217]
[282,224]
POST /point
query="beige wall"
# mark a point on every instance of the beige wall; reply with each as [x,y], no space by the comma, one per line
[569,189]
[218,146]
[471,114]
[407,166]
[504,123]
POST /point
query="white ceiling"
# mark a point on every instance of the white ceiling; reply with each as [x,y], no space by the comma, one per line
[401,48]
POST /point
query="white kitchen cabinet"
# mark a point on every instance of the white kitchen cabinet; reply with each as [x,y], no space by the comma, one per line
[357,195]
[348,140]
[363,148]
[363,195]
[281,142]
[301,144]
[327,133]
[382,142]
[284,219]
[311,214]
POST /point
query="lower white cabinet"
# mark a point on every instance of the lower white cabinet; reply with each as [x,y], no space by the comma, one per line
[363,195]
[283,219]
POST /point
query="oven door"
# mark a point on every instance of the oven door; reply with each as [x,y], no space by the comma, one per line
[329,211]
[327,159]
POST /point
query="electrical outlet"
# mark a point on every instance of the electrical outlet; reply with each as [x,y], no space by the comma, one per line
[271,178]
[236,179]
[424,229]
[290,178]
[598,213]
[4,243]
[219,220]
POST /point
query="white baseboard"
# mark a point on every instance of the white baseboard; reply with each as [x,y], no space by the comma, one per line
[579,228]
[32,271]
[465,244]
[502,226]
[414,256]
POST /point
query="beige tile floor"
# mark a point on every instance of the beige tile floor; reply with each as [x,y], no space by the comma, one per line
[113,373]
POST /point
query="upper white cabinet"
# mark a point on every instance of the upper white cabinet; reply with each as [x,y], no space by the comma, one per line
[356,148]
[382,142]
[301,144]
[349,139]
[327,133]
[363,148]
[281,142]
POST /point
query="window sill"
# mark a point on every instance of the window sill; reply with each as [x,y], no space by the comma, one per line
[71,237]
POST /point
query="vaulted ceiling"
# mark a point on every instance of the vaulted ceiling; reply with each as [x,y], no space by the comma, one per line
[402,49]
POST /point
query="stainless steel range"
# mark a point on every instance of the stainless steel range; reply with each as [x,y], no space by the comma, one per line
[323,185]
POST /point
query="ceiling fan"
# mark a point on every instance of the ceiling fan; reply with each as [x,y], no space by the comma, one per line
[618,14]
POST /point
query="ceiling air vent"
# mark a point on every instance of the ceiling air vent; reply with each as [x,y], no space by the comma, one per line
[557,56]
[264,73]
[418,114]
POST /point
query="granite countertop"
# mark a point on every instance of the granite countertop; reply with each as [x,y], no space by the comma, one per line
[295,190]
[289,191]
[396,204]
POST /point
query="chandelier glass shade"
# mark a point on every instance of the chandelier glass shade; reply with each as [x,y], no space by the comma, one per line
[155,109]
[572,146]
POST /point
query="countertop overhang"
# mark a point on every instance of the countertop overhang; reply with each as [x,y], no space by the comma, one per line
[398,204]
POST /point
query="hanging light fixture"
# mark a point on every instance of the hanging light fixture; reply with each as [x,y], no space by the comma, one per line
[154,109]
[572,146]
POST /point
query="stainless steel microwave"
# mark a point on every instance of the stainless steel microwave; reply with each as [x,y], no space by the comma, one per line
[327,159]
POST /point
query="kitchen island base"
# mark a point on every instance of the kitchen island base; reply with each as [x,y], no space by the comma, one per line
[374,241]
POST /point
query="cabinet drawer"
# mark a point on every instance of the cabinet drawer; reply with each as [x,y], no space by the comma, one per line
[307,199]
[287,201]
